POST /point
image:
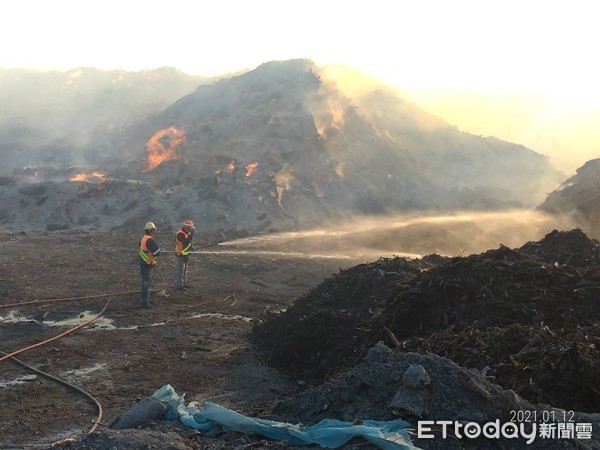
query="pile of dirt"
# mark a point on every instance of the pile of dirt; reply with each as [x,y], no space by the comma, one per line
[522,318]
[326,328]
[572,247]
[389,384]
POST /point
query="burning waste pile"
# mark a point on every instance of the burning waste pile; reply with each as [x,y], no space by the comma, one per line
[46,200]
[285,146]
[490,335]
[225,193]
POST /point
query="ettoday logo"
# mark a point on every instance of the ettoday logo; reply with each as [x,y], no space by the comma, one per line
[430,429]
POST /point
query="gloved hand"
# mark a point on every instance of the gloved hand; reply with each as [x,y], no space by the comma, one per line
[185,258]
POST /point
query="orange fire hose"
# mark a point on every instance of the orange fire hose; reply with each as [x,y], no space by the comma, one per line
[54,338]
[68,299]
[58,336]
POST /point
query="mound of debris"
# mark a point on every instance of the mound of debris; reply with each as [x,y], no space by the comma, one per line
[577,198]
[387,385]
[570,247]
[522,318]
[326,328]
[280,147]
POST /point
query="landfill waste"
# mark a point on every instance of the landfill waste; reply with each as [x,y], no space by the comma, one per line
[529,315]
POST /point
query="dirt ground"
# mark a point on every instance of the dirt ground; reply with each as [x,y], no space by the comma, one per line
[196,341]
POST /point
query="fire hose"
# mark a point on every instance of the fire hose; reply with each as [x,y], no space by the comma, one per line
[66,384]
[5,356]
[12,355]
[90,297]
[69,299]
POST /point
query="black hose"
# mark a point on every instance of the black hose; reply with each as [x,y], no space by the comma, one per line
[11,356]
[66,384]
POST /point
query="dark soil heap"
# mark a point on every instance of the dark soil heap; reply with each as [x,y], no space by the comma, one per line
[326,329]
[568,247]
[529,317]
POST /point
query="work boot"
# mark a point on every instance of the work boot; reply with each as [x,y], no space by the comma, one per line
[188,286]
[147,305]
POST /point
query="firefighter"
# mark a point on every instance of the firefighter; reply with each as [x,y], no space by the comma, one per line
[183,246]
[149,251]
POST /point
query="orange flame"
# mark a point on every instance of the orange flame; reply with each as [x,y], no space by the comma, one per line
[230,168]
[250,168]
[89,177]
[161,147]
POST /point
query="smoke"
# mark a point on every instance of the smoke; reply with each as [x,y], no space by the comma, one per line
[329,107]
[563,129]
[371,131]
[351,149]
[455,234]
[70,118]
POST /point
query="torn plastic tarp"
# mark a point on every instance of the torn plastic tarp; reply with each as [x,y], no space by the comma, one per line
[329,433]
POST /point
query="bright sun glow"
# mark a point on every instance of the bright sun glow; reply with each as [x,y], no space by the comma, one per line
[541,47]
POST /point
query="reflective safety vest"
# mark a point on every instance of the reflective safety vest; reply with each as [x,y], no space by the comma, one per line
[145,254]
[181,248]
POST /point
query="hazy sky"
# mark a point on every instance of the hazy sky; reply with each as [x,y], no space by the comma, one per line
[528,46]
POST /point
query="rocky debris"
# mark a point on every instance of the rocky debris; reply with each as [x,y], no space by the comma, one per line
[525,320]
[376,389]
[412,397]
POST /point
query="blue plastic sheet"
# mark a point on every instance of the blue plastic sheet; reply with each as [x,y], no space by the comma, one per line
[329,433]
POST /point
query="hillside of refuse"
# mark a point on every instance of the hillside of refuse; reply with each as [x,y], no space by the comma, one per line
[281,147]
[577,198]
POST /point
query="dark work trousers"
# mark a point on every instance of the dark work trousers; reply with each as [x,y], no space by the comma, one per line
[146,274]
[181,263]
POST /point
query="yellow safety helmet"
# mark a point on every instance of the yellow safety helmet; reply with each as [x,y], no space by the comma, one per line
[149,226]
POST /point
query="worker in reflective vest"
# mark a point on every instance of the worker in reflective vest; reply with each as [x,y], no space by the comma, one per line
[183,246]
[149,251]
